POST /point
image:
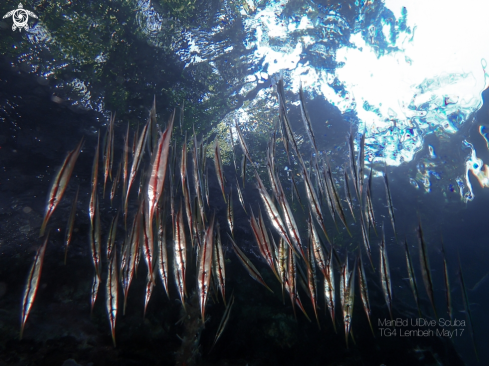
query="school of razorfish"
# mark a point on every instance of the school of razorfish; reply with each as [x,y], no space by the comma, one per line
[287,254]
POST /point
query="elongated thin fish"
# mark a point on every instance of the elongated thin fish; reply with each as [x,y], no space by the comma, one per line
[243,146]
[218,166]
[112,233]
[32,284]
[232,147]
[290,223]
[147,238]
[150,283]
[224,321]
[205,268]
[366,241]
[115,183]
[412,277]
[327,194]
[252,271]
[317,247]
[385,274]
[272,210]
[467,308]
[112,293]
[267,250]
[347,291]
[360,167]
[306,119]
[96,250]
[448,295]
[197,180]
[294,186]
[314,203]
[229,212]
[348,195]
[162,252]
[95,240]
[425,269]
[336,199]
[180,255]
[108,151]
[158,169]
[312,281]
[218,263]
[136,161]
[390,206]
[240,195]
[94,291]
[132,250]
[362,281]
[60,183]
[291,282]
[93,196]
[329,289]
[281,264]
[353,165]
[243,170]
[71,222]
[125,164]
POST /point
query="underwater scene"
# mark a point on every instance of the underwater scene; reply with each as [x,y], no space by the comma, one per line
[244,182]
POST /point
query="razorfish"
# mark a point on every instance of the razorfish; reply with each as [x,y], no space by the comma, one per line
[218,166]
[136,161]
[219,263]
[132,250]
[353,165]
[162,252]
[425,269]
[32,284]
[347,292]
[232,147]
[180,255]
[329,288]
[448,295]
[224,321]
[240,195]
[306,119]
[385,274]
[362,281]
[412,278]
[115,183]
[348,195]
[60,183]
[125,164]
[312,281]
[314,203]
[316,246]
[243,146]
[390,206]
[71,222]
[95,246]
[336,199]
[158,169]
[112,233]
[205,268]
[112,292]
[271,210]
[360,167]
[252,271]
[109,149]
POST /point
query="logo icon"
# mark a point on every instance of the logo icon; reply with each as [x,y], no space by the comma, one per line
[20,17]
